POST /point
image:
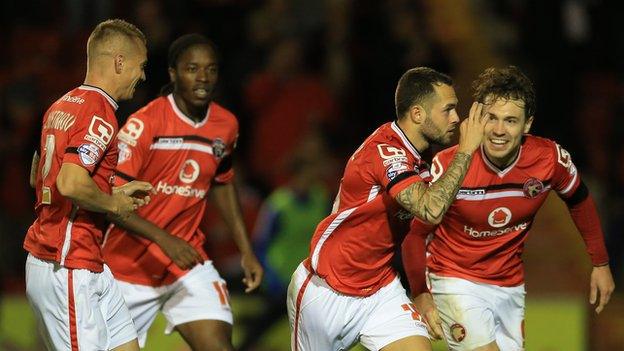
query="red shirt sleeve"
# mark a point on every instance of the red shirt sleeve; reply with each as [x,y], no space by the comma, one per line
[567,182]
[413,255]
[585,217]
[225,171]
[89,138]
[134,142]
[393,168]
[565,178]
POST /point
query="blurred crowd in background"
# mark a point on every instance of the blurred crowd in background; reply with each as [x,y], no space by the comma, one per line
[308,81]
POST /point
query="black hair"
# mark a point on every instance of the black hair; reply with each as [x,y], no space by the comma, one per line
[178,47]
[415,86]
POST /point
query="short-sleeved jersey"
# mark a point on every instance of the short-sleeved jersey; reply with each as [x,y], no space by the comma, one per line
[78,128]
[181,159]
[482,235]
[352,249]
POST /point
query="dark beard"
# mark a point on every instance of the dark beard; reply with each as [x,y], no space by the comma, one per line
[433,135]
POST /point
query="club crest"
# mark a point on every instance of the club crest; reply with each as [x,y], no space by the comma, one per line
[218,148]
[532,187]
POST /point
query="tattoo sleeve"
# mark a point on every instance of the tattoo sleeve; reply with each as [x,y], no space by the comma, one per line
[430,203]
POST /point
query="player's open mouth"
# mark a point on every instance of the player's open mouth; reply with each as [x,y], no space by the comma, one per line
[498,143]
[200,93]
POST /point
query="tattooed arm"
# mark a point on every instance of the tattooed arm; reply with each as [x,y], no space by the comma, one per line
[430,203]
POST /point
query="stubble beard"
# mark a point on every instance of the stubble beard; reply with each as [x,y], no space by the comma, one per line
[433,134]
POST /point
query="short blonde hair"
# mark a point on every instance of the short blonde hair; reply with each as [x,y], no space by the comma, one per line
[110,30]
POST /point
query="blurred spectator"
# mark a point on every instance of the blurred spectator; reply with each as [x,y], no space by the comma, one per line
[283,229]
[285,101]
[17,141]
[220,246]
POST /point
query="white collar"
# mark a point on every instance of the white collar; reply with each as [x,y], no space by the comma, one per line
[500,172]
[404,139]
[101,92]
[184,117]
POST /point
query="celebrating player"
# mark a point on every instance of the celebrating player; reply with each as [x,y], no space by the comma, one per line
[346,290]
[75,298]
[182,142]
[475,266]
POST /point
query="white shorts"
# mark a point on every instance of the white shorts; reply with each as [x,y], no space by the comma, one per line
[475,314]
[324,319]
[200,294]
[77,309]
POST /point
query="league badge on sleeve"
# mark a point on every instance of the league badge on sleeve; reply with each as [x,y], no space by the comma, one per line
[89,154]
[395,169]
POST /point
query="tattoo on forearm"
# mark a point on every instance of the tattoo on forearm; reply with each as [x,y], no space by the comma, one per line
[431,203]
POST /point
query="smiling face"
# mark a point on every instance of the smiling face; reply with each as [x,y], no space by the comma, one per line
[442,120]
[195,76]
[506,124]
[133,68]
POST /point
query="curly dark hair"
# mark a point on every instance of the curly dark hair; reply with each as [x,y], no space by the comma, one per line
[505,83]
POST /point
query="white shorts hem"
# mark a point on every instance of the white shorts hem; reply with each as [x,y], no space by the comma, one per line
[117,344]
[399,337]
[210,317]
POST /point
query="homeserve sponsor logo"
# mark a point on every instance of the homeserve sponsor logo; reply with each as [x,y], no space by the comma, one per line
[498,232]
[182,190]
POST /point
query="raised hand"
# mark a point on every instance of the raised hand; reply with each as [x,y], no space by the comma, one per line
[472,129]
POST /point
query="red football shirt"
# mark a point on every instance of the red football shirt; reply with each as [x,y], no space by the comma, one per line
[352,249]
[482,235]
[78,128]
[181,159]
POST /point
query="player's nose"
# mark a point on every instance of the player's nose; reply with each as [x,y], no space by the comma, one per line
[499,127]
[454,117]
[201,76]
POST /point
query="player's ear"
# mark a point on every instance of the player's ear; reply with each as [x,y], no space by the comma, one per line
[119,63]
[172,75]
[527,124]
[417,114]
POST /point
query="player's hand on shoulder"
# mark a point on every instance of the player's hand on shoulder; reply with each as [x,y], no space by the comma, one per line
[183,254]
[253,271]
[601,287]
[472,129]
[426,307]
